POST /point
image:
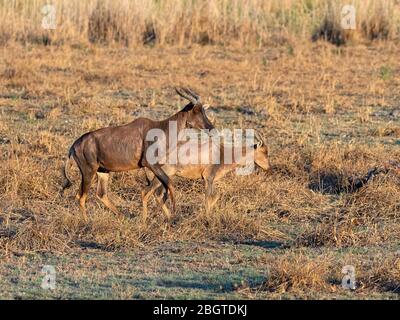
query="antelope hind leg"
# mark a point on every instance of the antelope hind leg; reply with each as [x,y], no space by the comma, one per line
[87,179]
[102,195]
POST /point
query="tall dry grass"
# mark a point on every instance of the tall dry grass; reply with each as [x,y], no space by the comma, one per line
[179,22]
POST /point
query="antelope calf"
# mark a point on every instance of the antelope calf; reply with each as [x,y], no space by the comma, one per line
[208,172]
[123,148]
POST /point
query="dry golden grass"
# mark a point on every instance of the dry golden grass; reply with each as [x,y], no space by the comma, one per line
[53,99]
[330,115]
[297,275]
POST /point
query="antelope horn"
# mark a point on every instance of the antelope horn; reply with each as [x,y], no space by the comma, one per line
[259,139]
[193,94]
[188,94]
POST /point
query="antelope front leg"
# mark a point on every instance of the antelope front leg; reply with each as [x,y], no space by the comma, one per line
[210,197]
[209,175]
[157,189]
[166,182]
[159,196]
[154,185]
[161,200]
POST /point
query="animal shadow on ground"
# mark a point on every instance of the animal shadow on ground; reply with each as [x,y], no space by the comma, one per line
[264,244]
[218,282]
[93,245]
[335,183]
[328,183]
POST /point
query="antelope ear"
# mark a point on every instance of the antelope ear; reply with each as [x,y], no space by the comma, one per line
[206,106]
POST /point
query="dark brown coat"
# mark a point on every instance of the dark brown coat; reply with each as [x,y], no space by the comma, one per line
[123,148]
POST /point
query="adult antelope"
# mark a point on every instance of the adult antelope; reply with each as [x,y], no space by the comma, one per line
[208,172]
[123,148]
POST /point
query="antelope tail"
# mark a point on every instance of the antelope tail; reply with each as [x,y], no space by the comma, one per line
[67,180]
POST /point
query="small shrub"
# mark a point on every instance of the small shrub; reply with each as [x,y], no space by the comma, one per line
[330,31]
[386,72]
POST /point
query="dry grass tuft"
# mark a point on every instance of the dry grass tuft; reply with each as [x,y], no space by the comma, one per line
[362,218]
[297,273]
[382,275]
[376,25]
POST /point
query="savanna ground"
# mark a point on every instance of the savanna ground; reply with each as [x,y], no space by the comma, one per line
[330,114]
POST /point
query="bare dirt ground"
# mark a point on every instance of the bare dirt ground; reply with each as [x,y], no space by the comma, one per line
[330,116]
